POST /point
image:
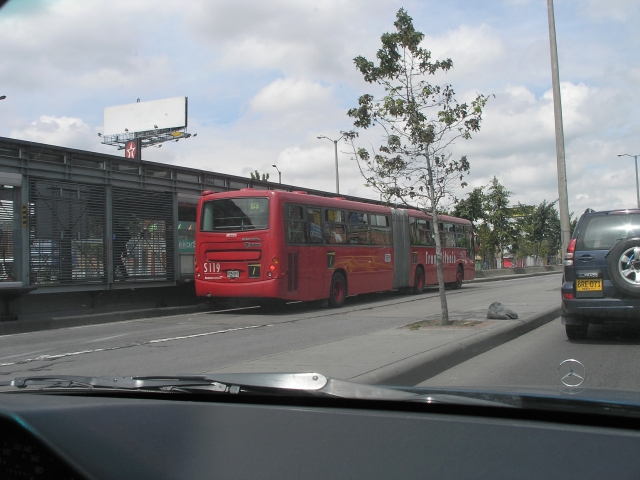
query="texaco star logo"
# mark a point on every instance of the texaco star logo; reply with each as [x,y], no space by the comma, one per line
[130,150]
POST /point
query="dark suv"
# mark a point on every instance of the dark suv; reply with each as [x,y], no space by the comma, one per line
[602,271]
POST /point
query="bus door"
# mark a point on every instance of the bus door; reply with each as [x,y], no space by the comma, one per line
[297,251]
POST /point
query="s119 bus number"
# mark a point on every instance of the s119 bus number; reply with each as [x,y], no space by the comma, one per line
[211,267]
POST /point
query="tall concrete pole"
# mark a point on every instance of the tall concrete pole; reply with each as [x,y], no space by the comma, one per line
[557,110]
[335,145]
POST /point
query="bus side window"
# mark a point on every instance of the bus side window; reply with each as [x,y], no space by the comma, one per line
[336,216]
[335,233]
[380,230]
[296,231]
[315,225]
[469,241]
[460,240]
[421,235]
[358,229]
[413,231]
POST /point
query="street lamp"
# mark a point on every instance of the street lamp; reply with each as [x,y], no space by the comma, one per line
[635,157]
[279,173]
[335,144]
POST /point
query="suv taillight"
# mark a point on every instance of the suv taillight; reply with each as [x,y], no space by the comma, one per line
[571,248]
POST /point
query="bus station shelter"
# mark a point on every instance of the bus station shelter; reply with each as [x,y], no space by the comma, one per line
[74,220]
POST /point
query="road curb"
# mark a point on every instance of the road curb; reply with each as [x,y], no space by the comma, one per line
[420,367]
[511,277]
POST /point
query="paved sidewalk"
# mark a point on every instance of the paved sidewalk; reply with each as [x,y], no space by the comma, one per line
[402,356]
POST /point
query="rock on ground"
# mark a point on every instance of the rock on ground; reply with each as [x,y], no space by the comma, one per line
[500,312]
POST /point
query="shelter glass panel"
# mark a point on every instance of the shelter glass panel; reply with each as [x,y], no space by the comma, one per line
[67,232]
[143,235]
[8,218]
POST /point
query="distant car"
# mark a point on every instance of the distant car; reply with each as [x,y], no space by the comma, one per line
[602,271]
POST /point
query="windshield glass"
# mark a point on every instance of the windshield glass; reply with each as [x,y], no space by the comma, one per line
[233,214]
[368,190]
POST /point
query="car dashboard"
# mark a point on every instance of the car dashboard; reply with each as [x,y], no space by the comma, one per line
[71,436]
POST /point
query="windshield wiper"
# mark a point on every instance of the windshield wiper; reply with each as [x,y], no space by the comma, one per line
[314,384]
[216,383]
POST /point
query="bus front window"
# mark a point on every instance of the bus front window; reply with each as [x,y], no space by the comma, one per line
[233,214]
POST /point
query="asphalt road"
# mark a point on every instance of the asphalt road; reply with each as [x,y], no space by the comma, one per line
[199,343]
[610,354]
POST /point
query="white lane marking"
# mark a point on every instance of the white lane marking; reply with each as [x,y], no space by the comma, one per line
[136,320]
[106,338]
[21,354]
[42,358]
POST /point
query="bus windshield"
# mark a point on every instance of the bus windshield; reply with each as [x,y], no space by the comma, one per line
[231,214]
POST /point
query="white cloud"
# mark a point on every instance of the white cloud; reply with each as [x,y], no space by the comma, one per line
[64,131]
[618,10]
[68,43]
[288,95]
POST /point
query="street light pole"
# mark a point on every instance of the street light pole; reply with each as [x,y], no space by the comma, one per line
[563,200]
[635,158]
[279,174]
[335,146]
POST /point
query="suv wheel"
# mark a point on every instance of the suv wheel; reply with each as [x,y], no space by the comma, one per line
[624,266]
[576,332]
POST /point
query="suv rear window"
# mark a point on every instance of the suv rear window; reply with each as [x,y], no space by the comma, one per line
[601,232]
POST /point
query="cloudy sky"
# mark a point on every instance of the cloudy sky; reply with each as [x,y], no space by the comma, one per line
[264,79]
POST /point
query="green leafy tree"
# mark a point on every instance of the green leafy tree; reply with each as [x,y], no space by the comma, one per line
[498,217]
[420,121]
[472,207]
[541,230]
[256,176]
[520,243]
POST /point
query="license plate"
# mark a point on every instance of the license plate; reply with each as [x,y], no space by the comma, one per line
[590,285]
[233,273]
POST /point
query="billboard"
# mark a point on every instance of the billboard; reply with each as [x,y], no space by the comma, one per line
[146,116]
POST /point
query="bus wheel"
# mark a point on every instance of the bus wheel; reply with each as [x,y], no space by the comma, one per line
[418,282]
[459,275]
[338,291]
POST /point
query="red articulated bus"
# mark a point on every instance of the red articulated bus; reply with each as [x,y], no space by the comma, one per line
[294,246]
